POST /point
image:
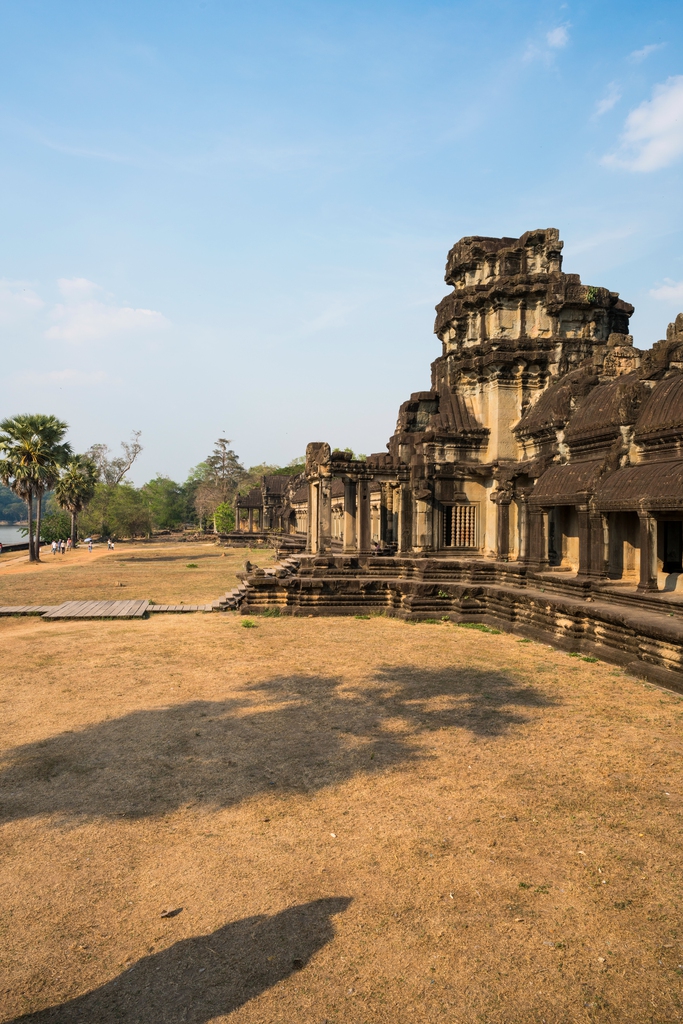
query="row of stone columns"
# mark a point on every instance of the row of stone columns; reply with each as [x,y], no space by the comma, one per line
[592,544]
[238,523]
[395,503]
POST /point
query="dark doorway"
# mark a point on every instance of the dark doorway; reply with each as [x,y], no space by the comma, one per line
[673,546]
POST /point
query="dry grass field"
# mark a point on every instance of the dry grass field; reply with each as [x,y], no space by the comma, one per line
[158,572]
[348,820]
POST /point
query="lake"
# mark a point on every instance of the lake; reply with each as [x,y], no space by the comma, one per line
[12,535]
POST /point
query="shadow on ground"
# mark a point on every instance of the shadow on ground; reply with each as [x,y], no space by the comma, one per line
[290,733]
[208,976]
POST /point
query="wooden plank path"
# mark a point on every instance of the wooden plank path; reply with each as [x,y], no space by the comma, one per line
[27,609]
[98,610]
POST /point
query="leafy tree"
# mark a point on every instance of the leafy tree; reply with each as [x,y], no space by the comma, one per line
[167,502]
[128,512]
[224,517]
[12,508]
[55,525]
[113,470]
[222,475]
[76,487]
[32,450]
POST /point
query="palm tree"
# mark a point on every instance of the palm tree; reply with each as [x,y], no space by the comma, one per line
[32,448]
[76,487]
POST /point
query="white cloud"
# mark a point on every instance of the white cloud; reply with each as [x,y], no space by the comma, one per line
[671,291]
[609,100]
[88,315]
[653,133]
[18,302]
[558,37]
[555,39]
[64,378]
[638,56]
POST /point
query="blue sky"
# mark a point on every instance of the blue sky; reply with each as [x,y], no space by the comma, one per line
[232,219]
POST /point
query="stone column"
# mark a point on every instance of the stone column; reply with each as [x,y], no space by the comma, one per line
[389,498]
[325,515]
[251,520]
[538,543]
[312,540]
[383,513]
[648,552]
[598,560]
[350,541]
[583,514]
[405,519]
[503,530]
[364,525]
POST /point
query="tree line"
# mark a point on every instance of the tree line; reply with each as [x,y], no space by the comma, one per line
[89,493]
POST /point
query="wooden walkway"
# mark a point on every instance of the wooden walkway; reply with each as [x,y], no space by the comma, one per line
[98,610]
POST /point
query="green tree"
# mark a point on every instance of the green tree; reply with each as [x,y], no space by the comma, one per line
[167,502]
[224,517]
[55,524]
[32,450]
[76,487]
[222,475]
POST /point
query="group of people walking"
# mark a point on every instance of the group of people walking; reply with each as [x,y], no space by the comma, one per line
[60,546]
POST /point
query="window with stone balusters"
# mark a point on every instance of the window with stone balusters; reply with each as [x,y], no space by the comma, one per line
[460,526]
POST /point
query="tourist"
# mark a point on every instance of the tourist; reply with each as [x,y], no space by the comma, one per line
[68,544]
[90,546]
[54,547]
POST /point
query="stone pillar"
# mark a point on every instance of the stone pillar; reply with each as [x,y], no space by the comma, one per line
[312,540]
[503,530]
[598,531]
[383,513]
[538,543]
[523,518]
[405,519]
[389,503]
[648,552]
[521,312]
[325,515]
[583,514]
[364,524]
[350,540]
[251,520]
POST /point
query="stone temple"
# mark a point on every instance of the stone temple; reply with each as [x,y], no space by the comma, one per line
[537,485]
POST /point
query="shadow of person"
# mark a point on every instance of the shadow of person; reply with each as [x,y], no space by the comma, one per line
[207,976]
[290,734]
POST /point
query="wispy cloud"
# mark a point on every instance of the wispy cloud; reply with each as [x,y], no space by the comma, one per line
[89,315]
[64,378]
[18,302]
[558,37]
[545,49]
[609,100]
[670,291]
[638,56]
[653,132]
[597,240]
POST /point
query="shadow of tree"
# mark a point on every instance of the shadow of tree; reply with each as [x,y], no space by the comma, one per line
[291,733]
[198,979]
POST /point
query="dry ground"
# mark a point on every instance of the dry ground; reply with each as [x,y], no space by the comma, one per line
[355,820]
[155,571]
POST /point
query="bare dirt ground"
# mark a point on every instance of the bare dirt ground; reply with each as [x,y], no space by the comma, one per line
[158,572]
[349,821]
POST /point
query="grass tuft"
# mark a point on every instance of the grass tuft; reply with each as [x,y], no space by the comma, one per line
[248,623]
[481,626]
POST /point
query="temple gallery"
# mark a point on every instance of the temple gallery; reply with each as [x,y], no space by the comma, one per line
[544,464]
